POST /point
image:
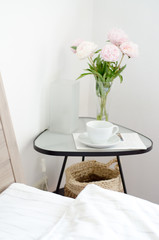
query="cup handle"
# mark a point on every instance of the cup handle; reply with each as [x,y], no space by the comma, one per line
[115,129]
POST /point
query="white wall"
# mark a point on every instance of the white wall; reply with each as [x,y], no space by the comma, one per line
[34,50]
[134,103]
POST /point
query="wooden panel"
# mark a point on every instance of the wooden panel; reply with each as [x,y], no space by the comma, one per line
[10,164]
[6,173]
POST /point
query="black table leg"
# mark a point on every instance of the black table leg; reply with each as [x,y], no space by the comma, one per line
[121,174]
[61,174]
[83,158]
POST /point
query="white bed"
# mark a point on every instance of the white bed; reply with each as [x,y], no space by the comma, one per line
[27,213]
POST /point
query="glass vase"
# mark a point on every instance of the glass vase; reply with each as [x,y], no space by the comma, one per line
[102,91]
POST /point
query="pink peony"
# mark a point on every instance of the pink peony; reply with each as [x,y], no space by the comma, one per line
[130,49]
[76,43]
[86,49]
[110,53]
[117,36]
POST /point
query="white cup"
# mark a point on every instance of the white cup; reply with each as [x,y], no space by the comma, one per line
[100,131]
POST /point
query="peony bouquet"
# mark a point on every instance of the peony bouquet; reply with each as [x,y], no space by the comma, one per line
[105,64]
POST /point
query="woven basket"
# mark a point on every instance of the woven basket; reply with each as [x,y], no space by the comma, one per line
[79,175]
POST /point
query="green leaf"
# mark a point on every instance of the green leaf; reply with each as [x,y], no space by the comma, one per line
[91,67]
[82,75]
[100,65]
[121,69]
[87,69]
[95,59]
[105,67]
[98,59]
[97,74]
[121,78]
[73,47]
[104,77]
[98,51]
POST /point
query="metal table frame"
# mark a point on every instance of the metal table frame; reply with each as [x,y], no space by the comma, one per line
[96,153]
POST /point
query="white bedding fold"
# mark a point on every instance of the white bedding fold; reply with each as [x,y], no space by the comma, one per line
[26,213]
[103,214]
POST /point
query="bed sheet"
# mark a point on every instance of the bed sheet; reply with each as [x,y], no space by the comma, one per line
[104,214]
[27,213]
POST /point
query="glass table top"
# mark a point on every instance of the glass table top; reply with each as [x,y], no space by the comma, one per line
[52,143]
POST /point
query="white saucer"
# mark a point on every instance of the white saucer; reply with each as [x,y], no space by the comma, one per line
[83,138]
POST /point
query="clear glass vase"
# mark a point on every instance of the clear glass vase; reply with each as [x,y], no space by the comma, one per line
[102,91]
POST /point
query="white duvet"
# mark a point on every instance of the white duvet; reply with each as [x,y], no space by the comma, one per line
[27,213]
[103,214]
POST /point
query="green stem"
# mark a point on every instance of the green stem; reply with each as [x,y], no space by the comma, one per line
[103,112]
[92,63]
[121,60]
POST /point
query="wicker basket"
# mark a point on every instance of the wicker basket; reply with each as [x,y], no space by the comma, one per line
[79,175]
